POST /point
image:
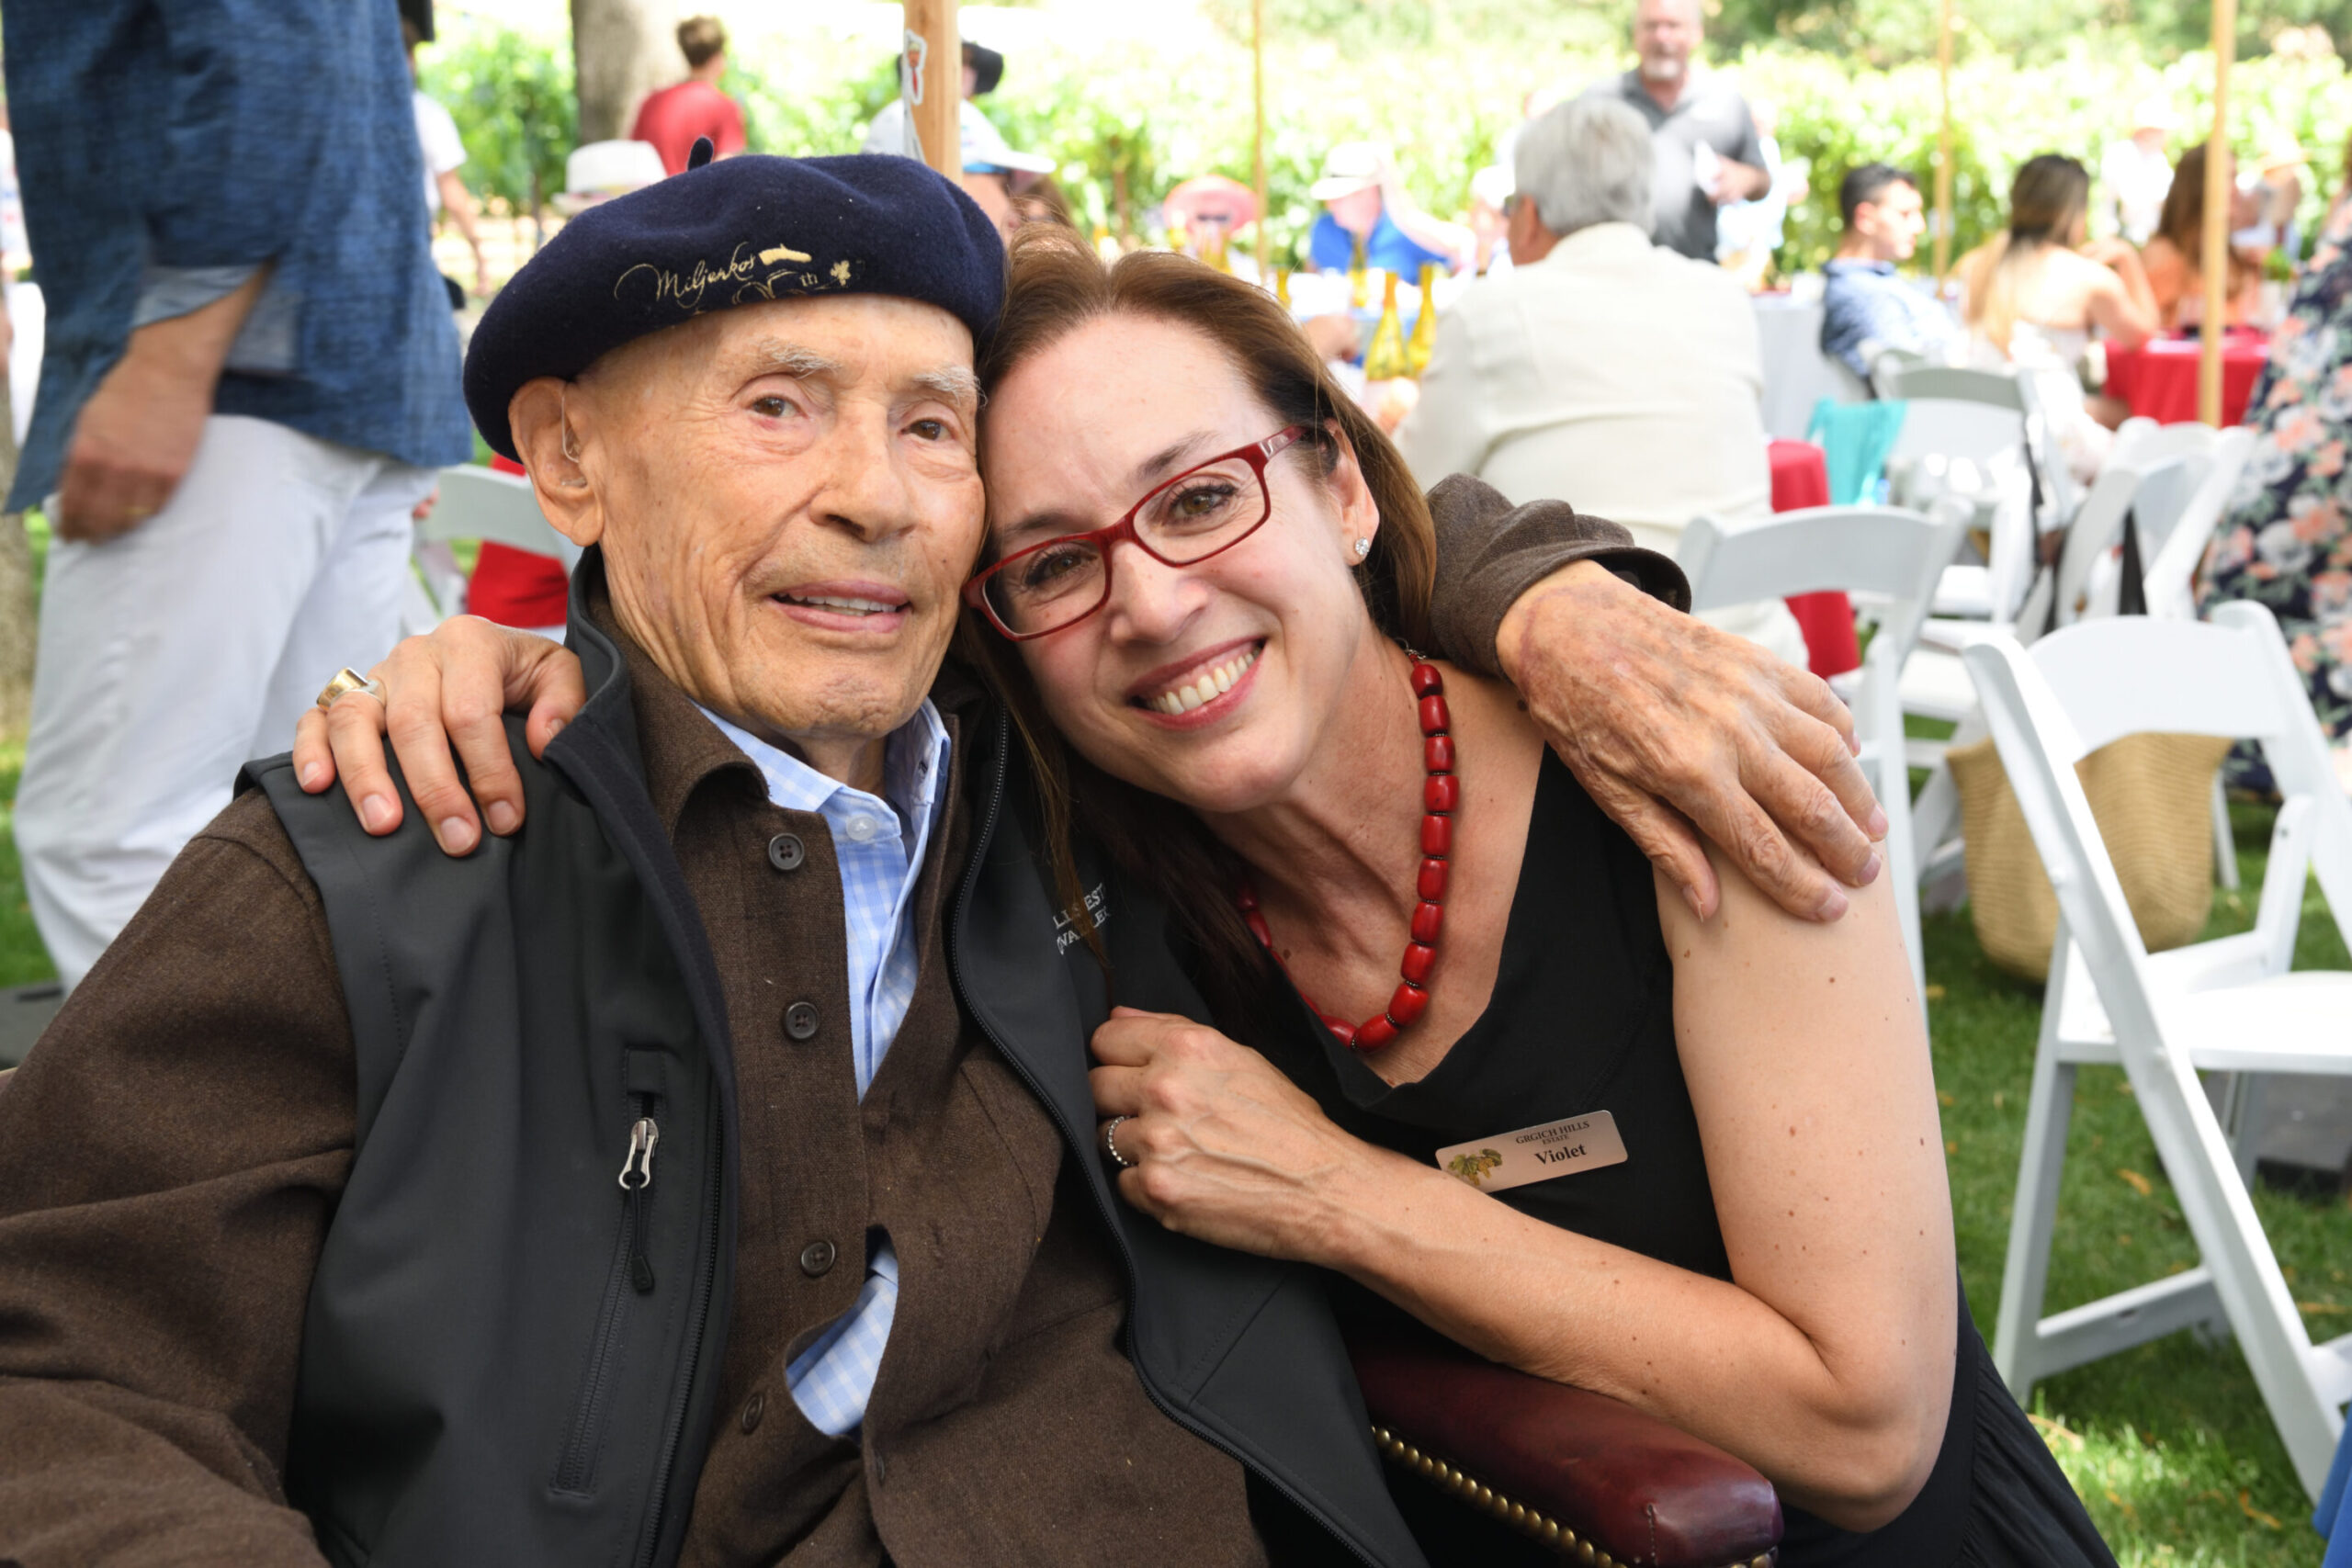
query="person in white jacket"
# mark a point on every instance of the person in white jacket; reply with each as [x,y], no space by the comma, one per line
[1603,369]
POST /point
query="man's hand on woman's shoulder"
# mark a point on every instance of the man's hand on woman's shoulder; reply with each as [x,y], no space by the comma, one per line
[444,691]
[1676,729]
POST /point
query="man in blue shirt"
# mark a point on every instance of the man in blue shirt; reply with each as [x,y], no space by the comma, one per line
[1865,307]
[251,372]
[1354,191]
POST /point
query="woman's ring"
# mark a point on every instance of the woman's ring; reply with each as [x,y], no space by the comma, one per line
[1110,1145]
[349,680]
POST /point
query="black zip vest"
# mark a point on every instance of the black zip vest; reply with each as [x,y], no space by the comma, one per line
[512,1347]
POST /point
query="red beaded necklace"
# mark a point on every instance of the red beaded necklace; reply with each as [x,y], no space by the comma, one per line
[1441,792]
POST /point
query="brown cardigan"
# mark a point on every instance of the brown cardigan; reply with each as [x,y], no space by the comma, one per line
[171,1155]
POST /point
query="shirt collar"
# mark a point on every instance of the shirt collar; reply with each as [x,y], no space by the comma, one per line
[915,764]
[1859,264]
[1599,240]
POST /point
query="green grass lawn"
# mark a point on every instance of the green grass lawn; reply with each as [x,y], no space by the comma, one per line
[22,958]
[2169,1444]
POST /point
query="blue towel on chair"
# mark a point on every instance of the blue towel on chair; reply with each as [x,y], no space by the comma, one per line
[2333,1517]
[1855,438]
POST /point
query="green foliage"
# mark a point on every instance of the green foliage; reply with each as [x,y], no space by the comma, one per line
[1838,115]
[510,94]
[808,103]
[1441,83]
[1880,33]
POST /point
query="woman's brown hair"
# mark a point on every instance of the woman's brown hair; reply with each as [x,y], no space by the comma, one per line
[2182,222]
[1058,285]
[2183,219]
[2047,200]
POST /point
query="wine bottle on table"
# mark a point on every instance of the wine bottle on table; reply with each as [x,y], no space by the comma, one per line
[1386,359]
[1424,339]
[1357,294]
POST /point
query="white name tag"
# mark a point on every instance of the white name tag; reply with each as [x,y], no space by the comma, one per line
[1536,1154]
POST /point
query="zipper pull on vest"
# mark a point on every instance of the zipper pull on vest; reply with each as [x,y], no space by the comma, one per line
[637,1176]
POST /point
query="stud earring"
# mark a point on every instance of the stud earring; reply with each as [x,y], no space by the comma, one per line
[1364,548]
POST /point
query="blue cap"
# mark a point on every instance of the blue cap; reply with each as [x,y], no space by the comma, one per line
[734,232]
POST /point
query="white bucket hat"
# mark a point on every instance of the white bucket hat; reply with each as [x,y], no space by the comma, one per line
[987,151]
[1350,167]
[597,171]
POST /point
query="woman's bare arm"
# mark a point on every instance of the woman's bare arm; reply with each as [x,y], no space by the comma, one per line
[1826,1361]
[2123,303]
[2169,275]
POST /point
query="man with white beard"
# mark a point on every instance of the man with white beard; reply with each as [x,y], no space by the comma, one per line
[1701,132]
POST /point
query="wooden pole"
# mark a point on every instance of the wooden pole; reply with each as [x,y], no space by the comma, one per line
[1943,146]
[1257,150]
[2216,217]
[938,118]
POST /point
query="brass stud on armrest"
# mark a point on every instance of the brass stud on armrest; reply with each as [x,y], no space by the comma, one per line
[1527,1520]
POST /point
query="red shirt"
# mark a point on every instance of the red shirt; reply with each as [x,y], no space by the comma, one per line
[517,588]
[672,117]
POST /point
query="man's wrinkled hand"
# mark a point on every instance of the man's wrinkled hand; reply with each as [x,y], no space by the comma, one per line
[1670,724]
[451,689]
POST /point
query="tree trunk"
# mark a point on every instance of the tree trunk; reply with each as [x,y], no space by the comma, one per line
[621,49]
[19,629]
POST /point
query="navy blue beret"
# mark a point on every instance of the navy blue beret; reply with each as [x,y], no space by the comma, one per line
[732,232]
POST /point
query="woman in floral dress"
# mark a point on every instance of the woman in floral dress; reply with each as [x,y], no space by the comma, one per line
[2287,541]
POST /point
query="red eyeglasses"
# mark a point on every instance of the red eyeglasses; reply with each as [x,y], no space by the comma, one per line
[1203,511]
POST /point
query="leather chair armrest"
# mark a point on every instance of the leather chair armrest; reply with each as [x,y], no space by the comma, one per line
[1586,1473]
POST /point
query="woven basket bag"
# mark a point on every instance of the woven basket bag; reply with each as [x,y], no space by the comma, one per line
[2152,796]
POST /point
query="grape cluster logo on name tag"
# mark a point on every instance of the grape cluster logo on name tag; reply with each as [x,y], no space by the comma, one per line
[1564,1148]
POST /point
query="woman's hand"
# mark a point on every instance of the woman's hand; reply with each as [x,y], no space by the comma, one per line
[1222,1147]
[451,688]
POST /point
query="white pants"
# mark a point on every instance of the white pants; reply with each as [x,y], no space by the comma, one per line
[171,655]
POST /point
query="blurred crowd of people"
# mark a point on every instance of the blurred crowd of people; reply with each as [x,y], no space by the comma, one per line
[1591,313]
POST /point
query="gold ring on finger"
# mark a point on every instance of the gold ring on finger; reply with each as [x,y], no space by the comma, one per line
[349,680]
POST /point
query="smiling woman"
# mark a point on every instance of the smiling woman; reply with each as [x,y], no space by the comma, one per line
[1747,1228]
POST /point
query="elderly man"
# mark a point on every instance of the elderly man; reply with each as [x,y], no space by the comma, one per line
[1707,150]
[690,1176]
[1603,368]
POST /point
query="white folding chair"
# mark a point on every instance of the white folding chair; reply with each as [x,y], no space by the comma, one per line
[2097,525]
[1980,436]
[1884,551]
[2172,549]
[2227,1006]
[2193,472]
[2142,438]
[482,504]
[2085,583]
[2171,544]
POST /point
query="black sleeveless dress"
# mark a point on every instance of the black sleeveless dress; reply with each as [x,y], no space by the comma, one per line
[1582,1021]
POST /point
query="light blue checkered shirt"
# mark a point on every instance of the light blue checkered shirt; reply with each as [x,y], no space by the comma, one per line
[879,844]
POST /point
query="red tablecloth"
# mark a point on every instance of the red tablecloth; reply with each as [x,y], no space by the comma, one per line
[1801,478]
[2158,379]
[517,588]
